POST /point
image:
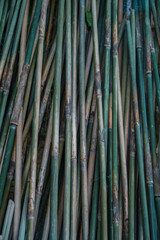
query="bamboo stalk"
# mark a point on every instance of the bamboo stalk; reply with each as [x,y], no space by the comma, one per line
[83,153]
[56,112]
[32,184]
[103,189]
[74,125]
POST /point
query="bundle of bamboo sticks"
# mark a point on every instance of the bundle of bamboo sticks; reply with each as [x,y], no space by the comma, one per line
[79,119]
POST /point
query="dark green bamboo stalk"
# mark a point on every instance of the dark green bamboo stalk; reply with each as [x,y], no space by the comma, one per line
[94,208]
[68,106]
[56,112]
[114,124]
[83,153]
[103,189]
[109,170]
[107,71]
[132,180]
[74,126]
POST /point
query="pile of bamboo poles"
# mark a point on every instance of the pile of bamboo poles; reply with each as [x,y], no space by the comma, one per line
[79,119]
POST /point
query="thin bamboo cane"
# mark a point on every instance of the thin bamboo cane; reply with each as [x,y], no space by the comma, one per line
[114,124]
[56,112]
[32,184]
[132,180]
[68,121]
[94,208]
[100,124]
[83,163]
[109,170]
[74,125]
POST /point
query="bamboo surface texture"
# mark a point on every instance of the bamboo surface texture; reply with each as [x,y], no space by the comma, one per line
[79,119]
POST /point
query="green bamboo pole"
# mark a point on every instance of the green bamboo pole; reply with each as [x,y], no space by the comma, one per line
[137,129]
[32,183]
[91,159]
[68,106]
[103,189]
[74,125]
[114,124]
[83,153]
[56,112]
[132,180]
[109,170]
[94,208]
[107,71]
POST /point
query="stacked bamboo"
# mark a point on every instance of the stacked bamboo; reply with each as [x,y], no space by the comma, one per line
[79,119]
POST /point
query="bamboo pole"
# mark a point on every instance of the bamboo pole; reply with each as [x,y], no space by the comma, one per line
[56,112]
[100,124]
